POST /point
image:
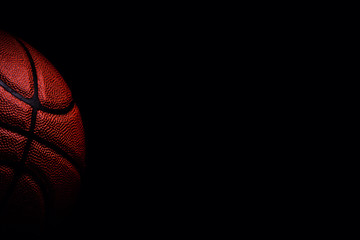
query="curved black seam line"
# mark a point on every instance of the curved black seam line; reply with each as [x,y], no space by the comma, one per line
[20,170]
[36,105]
[17,166]
[35,97]
[34,100]
[42,141]
[21,166]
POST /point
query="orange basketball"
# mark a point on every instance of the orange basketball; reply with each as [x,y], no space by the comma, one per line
[42,143]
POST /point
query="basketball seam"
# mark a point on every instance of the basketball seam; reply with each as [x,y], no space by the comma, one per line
[42,141]
[34,102]
[18,172]
[16,166]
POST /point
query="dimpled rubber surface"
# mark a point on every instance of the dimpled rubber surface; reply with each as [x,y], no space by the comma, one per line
[42,143]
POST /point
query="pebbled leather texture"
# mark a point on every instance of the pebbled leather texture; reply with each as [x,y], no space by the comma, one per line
[42,141]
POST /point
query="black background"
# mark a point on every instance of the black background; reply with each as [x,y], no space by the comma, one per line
[129,91]
[90,64]
[131,75]
[103,70]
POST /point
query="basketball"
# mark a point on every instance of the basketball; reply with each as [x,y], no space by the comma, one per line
[42,140]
